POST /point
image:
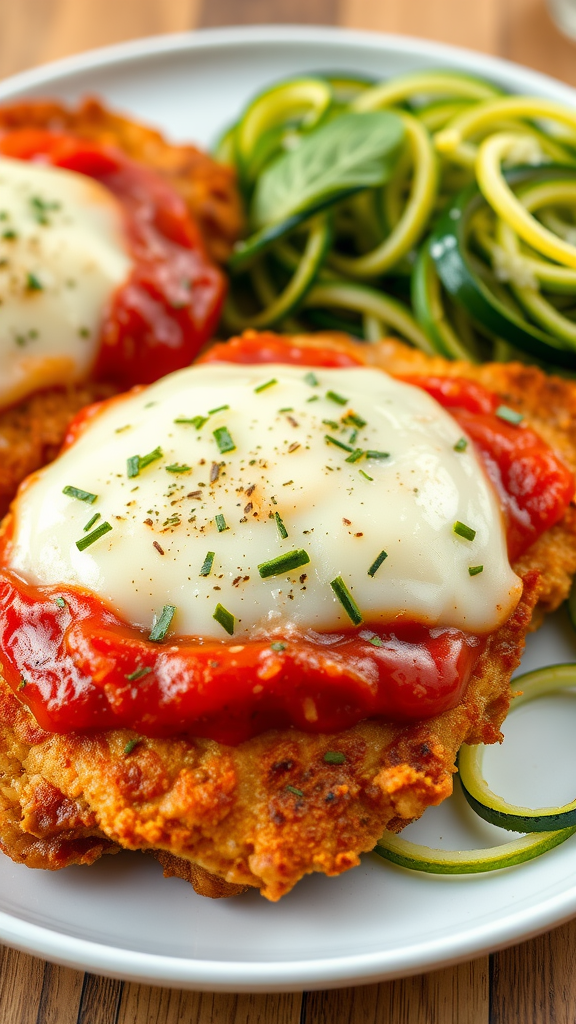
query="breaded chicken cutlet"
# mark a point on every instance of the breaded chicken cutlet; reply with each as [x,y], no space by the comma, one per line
[270,810]
[32,431]
[208,188]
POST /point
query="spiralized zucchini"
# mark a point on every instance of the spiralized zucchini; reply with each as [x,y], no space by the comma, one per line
[293,150]
[546,827]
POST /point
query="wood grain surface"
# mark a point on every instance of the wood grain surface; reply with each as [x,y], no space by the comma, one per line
[534,983]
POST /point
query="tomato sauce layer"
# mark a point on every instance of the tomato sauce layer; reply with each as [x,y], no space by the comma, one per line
[79,667]
[170,304]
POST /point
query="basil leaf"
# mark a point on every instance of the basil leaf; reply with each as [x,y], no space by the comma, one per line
[356,150]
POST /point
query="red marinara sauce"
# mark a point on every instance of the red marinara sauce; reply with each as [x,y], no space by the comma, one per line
[169,306]
[79,667]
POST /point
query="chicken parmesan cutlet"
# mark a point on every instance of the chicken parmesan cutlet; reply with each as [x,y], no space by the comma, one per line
[110,239]
[251,612]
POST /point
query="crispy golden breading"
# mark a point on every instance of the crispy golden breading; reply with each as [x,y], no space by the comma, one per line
[228,809]
[208,188]
[31,433]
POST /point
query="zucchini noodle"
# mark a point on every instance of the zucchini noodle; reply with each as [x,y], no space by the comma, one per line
[416,857]
[496,809]
[545,828]
[445,83]
[398,258]
[345,295]
[556,279]
[502,199]
[304,100]
[484,116]
[280,306]
[542,311]
[416,214]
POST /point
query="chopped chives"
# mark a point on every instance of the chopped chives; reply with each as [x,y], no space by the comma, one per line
[375,641]
[278,646]
[312,379]
[346,600]
[195,421]
[77,492]
[33,283]
[162,625]
[219,408]
[221,523]
[355,455]
[352,420]
[503,412]
[313,399]
[339,444]
[224,618]
[461,445]
[263,387]
[292,789]
[137,462]
[145,460]
[464,531]
[353,436]
[60,602]
[138,673]
[22,683]
[131,744]
[365,475]
[281,528]
[89,539]
[91,522]
[132,466]
[377,563]
[287,408]
[372,454]
[335,397]
[334,757]
[223,440]
[331,423]
[474,570]
[283,563]
[207,564]
[177,468]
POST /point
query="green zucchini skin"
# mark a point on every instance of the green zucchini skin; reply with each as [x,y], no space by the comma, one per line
[455,862]
[250,249]
[429,311]
[521,822]
[494,808]
[305,100]
[290,300]
[449,252]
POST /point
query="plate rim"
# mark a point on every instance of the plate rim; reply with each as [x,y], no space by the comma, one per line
[281,976]
[232,36]
[326,972]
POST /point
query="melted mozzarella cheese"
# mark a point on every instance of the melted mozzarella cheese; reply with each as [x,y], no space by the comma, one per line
[62,254]
[342,513]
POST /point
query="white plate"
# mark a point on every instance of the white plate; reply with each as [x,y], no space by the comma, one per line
[120,917]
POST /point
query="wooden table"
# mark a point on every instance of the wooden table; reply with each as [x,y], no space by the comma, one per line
[534,983]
